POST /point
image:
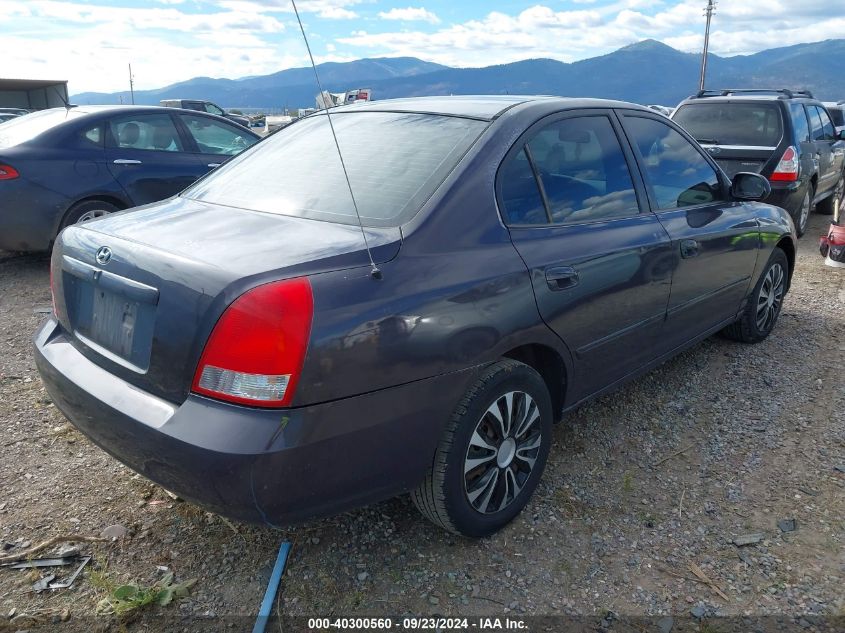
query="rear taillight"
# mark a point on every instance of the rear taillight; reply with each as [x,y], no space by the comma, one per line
[255,352]
[787,169]
[7,172]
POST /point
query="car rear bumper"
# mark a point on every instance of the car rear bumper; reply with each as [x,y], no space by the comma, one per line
[787,195]
[29,215]
[257,465]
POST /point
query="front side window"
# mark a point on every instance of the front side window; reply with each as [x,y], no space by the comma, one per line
[799,121]
[154,132]
[213,109]
[216,137]
[837,116]
[677,173]
[395,162]
[582,172]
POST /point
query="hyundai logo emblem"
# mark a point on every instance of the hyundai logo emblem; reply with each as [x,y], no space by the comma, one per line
[714,150]
[103,255]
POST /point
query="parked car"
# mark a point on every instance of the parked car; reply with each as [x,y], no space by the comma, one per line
[237,344]
[837,115]
[664,110]
[15,111]
[63,166]
[785,135]
[206,106]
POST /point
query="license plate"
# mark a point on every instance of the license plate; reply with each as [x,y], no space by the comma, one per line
[113,320]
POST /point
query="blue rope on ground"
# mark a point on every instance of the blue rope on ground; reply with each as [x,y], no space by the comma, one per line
[272,589]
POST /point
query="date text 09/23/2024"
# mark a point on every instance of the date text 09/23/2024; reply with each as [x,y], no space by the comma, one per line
[481,624]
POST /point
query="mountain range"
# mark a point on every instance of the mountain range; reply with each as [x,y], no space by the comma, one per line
[645,72]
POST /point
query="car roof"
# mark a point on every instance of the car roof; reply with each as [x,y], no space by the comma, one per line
[484,107]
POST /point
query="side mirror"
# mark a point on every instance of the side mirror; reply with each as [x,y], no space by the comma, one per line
[841,135]
[750,186]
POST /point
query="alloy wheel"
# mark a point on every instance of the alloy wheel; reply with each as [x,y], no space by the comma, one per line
[93,214]
[502,452]
[770,297]
[805,211]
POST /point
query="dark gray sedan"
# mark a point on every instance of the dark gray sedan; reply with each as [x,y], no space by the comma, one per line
[236,344]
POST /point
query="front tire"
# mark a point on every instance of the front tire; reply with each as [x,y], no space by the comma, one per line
[492,452]
[801,215]
[761,314]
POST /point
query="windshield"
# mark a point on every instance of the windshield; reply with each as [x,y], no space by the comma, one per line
[395,162]
[752,124]
[25,128]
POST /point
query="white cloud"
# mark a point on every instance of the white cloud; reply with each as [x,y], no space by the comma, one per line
[590,30]
[410,14]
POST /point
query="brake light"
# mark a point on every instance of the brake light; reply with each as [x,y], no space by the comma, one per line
[255,352]
[787,169]
[7,172]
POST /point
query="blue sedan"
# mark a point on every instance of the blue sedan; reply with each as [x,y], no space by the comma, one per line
[67,165]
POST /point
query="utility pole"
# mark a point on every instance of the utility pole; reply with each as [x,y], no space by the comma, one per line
[132,83]
[708,11]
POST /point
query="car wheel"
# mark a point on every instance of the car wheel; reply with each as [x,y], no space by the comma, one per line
[87,210]
[801,216]
[492,452]
[760,315]
[828,205]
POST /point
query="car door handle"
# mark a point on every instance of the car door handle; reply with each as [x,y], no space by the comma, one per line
[126,161]
[212,165]
[561,277]
[689,248]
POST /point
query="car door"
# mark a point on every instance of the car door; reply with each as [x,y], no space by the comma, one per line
[148,158]
[829,158]
[214,141]
[714,238]
[600,263]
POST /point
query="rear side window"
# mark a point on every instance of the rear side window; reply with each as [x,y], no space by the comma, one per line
[679,176]
[816,129]
[216,137]
[25,128]
[520,194]
[799,122]
[581,170]
[154,132]
[828,133]
[395,162]
[747,124]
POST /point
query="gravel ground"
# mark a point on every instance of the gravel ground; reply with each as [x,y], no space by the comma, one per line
[723,441]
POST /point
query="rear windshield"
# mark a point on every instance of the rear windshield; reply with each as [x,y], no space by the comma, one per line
[25,128]
[837,116]
[395,162]
[753,124]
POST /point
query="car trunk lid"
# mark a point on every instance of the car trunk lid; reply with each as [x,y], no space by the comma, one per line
[141,293]
[736,158]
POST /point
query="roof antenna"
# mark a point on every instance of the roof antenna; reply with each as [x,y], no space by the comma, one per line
[375,272]
[62,98]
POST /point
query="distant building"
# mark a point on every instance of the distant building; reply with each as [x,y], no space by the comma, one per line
[32,94]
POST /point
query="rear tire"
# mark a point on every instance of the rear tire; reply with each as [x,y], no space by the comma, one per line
[829,204]
[491,454]
[87,210]
[761,314]
[801,215]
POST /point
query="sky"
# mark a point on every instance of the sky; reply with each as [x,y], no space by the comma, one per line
[91,42]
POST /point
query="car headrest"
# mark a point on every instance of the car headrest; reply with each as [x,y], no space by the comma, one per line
[130,134]
[573,136]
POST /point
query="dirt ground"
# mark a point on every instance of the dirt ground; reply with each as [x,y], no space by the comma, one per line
[641,487]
